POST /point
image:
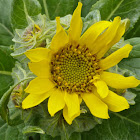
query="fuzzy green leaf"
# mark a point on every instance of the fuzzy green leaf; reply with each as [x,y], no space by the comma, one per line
[19,75]
[41,38]
[8,112]
[74,136]
[6,33]
[124,8]
[61,8]
[6,65]
[56,126]
[21,9]
[11,132]
[80,124]
[48,137]
[120,126]
[135,32]
[87,4]
[133,62]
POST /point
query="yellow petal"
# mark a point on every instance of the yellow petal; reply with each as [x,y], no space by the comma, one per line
[118,34]
[80,99]
[102,88]
[41,68]
[95,105]
[66,116]
[76,25]
[56,101]
[118,81]
[60,39]
[115,57]
[115,102]
[37,54]
[72,102]
[33,100]
[39,86]
[93,32]
[107,36]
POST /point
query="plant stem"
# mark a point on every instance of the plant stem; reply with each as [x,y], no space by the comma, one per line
[5,72]
[46,9]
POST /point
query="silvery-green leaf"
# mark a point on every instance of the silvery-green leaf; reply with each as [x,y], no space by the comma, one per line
[11,132]
[132,63]
[121,126]
[19,76]
[57,126]
[124,8]
[39,33]
[54,8]
[135,32]
[6,65]
[65,21]
[6,32]
[21,9]
[130,96]
[87,4]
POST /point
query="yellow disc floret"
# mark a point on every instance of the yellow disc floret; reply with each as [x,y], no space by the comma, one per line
[73,67]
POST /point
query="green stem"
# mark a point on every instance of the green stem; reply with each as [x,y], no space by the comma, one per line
[5,72]
[46,9]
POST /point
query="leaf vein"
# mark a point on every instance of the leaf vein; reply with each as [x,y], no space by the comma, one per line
[115,9]
[124,118]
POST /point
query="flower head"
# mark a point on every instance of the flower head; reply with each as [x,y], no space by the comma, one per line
[72,70]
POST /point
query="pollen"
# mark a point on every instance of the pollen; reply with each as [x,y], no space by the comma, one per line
[73,67]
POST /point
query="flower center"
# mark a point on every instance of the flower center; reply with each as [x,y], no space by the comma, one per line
[73,68]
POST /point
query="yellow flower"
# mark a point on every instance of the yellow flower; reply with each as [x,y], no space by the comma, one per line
[72,70]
